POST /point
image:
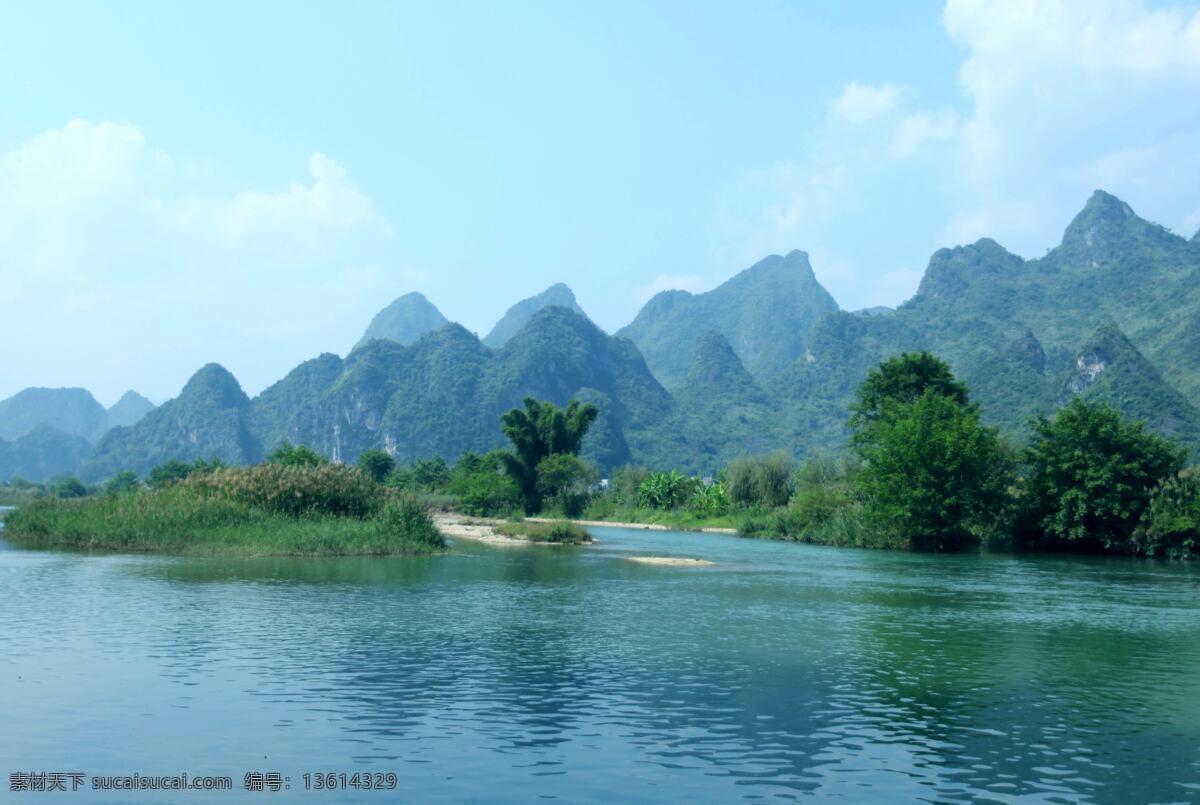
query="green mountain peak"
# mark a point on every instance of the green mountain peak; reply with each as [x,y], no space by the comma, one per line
[404,321]
[128,410]
[557,295]
[765,312]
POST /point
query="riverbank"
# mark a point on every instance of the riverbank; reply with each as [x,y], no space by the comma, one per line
[532,531]
[706,529]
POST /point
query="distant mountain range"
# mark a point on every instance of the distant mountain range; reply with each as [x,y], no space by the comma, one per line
[766,360]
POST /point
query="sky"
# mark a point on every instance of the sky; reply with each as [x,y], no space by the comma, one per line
[248,183]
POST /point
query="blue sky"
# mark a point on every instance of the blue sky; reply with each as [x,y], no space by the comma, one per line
[249,183]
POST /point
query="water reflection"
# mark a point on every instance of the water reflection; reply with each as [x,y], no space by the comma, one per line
[786,670]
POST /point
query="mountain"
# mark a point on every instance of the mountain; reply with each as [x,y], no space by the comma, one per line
[520,313]
[1011,328]
[404,320]
[718,414]
[445,393]
[765,313]
[766,361]
[73,411]
[128,410]
[42,454]
[209,419]
[272,411]
[1109,368]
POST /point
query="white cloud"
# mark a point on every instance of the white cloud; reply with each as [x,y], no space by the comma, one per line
[1070,96]
[669,282]
[1059,97]
[104,234]
[863,103]
[921,129]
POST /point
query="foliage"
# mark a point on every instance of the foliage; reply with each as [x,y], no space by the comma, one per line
[299,455]
[625,483]
[761,481]
[708,499]
[904,379]
[424,475]
[563,482]
[405,521]
[665,490]
[177,519]
[121,483]
[538,430]
[482,487]
[174,471]
[68,487]
[334,490]
[1170,526]
[931,473]
[1091,476]
[376,464]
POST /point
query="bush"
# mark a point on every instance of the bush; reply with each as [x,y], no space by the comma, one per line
[376,464]
[1170,525]
[69,487]
[665,490]
[122,482]
[403,520]
[481,486]
[560,532]
[297,491]
[174,471]
[765,481]
[299,455]
[708,500]
[626,482]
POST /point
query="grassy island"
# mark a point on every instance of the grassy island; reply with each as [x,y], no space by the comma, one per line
[561,532]
[269,509]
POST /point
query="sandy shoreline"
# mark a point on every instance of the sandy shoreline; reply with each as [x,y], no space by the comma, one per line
[476,529]
[643,526]
[670,561]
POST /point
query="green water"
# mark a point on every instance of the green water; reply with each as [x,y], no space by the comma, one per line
[784,671]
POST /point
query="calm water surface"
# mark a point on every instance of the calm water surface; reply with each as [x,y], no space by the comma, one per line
[785,671]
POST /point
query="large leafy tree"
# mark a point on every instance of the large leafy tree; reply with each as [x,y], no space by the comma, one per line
[537,430]
[931,472]
[1091,475]
[904,379]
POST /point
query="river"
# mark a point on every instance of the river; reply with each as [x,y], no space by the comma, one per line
[513,674]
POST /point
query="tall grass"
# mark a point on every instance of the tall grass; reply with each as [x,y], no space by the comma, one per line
[248,511]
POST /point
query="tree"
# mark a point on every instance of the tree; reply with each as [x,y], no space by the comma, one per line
[931,472]
[1091,476]
[761,480]
[564,479]
[173,471]
[126,481]
[1170,526]
[903,379]
[376,464]
[538,430]
[69,487]
[298,455]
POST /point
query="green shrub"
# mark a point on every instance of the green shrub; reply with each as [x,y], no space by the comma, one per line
[298,455]
[297,491]
[1170,525]
[708,500]
[764,481]
[665,490]
[405,521]
[559,532]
